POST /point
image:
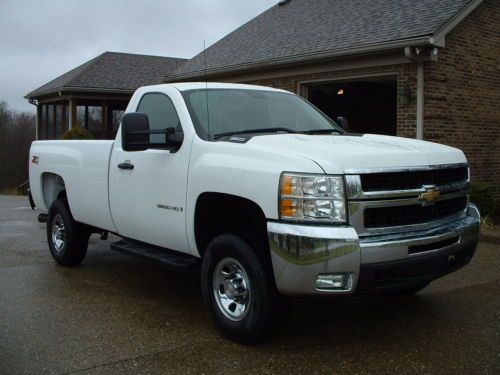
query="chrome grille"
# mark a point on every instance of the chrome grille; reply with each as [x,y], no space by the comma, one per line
[397,205]
[379,217]
[413,179]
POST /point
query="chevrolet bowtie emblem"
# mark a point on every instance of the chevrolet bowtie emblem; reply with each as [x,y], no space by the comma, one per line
[430,195]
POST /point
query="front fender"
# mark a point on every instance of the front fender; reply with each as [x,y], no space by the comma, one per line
[241,170]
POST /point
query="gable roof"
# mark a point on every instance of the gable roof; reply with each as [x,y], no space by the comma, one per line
[302,30]
[112,72]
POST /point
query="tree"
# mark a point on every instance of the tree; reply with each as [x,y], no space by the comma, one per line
[17,131]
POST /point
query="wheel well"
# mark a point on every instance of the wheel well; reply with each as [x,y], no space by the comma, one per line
[218,213]
[53,187]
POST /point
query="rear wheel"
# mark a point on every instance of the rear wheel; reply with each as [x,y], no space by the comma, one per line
[68,240]
[239,291]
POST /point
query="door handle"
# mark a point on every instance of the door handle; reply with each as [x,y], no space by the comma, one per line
[126,166]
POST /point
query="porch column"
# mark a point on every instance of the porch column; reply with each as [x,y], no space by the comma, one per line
[104,119]
[72,114]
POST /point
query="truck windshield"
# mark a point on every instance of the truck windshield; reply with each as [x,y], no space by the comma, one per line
[217,113]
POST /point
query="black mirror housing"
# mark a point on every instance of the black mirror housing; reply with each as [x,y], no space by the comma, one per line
[175,138]
[135,132]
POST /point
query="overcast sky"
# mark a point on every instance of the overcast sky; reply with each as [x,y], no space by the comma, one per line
[40,40]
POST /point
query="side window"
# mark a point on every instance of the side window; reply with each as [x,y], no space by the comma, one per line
[161,113]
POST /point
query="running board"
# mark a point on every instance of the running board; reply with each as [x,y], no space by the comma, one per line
[169,258]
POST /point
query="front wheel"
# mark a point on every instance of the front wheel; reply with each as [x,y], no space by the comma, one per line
[68,240]
[238,290]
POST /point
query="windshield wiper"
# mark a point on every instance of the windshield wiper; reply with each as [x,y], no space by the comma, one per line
[321,131]
[263,130]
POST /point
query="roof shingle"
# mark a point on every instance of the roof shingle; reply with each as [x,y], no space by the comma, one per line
[122,72]
[304,29]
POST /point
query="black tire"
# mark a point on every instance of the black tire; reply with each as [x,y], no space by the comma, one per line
[71,247]
[263,300]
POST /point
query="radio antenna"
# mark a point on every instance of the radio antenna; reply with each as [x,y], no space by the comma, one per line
[206,88]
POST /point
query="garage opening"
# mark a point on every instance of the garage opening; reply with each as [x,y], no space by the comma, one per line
[369,104]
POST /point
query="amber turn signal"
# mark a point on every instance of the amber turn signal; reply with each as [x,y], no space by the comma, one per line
[287,185]
[288,207]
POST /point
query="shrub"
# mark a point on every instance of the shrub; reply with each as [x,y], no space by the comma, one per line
[23,188]
[77,133]
[482,197]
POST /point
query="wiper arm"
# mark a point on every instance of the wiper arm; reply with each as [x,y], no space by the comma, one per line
[321,131]
[250,131]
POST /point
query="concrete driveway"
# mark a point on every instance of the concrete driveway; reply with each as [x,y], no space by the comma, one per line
[117,315]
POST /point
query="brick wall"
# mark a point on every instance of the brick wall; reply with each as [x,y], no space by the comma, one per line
[405,73]
[462,92]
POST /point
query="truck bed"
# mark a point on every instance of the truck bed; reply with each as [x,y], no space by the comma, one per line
[83,165]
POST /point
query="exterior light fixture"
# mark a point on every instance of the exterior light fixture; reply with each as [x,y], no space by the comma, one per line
[405,95]
[340,92]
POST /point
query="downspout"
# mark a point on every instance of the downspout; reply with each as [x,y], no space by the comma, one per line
[420,100]
[34,102]
[417,55]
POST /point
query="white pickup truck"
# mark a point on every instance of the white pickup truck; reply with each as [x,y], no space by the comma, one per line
[265,193]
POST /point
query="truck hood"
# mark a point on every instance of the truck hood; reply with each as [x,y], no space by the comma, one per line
[337,154]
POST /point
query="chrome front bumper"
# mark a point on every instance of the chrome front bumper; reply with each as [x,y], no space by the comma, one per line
[302,254]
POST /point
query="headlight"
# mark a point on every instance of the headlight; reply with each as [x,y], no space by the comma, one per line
[312,198]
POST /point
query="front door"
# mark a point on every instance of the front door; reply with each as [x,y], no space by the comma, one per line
[148,202]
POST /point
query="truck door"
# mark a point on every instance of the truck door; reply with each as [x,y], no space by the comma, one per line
[148,201]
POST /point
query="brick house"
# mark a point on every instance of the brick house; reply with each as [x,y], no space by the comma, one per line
[428,69]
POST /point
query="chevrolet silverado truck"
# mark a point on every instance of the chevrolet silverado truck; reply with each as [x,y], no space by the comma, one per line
[262,192]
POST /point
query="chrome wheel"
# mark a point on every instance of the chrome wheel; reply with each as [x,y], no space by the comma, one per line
[231,287]
[58,233]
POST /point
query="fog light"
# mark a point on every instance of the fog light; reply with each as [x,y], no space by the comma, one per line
[332,281]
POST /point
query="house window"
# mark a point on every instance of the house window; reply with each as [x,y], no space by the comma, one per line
[42,131]
[116,117]
[95,121]
[51,121]
[66,116]
[80,116]
[58,121]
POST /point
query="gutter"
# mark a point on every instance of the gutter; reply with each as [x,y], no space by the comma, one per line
[61,91]
[299,59]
